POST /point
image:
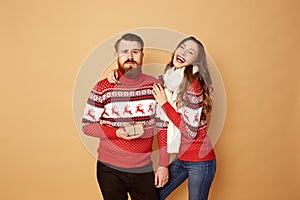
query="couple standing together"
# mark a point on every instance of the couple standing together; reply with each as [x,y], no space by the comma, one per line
[175,105]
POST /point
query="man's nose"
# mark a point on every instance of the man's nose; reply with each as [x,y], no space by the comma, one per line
[129,55]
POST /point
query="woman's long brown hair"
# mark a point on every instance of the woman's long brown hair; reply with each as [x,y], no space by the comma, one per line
[203,76]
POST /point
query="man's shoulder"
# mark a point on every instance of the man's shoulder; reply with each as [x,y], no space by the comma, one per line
[150,78]
[102,85]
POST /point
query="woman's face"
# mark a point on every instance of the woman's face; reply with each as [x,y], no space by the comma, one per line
[186,54]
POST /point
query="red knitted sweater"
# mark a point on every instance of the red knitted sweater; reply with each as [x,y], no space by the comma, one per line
[195,144]
[111,106]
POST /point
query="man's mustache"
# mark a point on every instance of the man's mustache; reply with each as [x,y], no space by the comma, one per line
[130,61]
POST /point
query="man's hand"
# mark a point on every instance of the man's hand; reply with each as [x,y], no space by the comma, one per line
[121,133]
[161,176]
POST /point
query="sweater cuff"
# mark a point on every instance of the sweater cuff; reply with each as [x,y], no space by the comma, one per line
[109,132]
[100,131]
[167,107]
[164,158]
[164,162]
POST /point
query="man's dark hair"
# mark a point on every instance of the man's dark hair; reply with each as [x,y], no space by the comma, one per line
[129,37]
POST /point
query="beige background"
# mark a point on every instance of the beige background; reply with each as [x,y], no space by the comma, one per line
[255,45]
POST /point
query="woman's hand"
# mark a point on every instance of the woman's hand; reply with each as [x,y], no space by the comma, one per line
[159,94]
[113,76]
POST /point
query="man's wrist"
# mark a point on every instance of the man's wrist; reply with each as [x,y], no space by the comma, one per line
[161,167]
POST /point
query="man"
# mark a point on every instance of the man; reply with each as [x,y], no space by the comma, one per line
[124,164]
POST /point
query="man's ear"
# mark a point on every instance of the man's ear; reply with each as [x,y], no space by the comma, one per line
[116,54]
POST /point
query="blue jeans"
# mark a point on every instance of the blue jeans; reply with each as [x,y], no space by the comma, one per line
[200,176]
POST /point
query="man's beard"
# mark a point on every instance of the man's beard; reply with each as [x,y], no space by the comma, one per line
[129,72]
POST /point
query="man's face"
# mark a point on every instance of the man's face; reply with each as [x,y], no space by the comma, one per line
[130,58]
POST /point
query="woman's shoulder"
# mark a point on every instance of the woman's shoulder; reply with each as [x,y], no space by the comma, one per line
[195,87]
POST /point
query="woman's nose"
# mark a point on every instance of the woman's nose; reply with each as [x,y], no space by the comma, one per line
[183,52]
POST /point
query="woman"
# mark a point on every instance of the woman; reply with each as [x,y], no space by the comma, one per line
[185,101]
